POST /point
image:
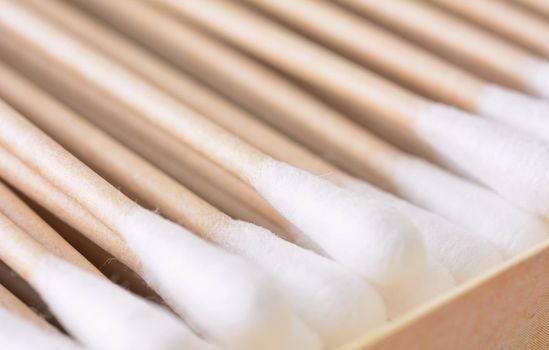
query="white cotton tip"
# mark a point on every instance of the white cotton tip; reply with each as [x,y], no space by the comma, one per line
[19,334]
[509,229]
[336,303]
[464,254]
[538,79]
[515,109]
[223,296]
[369,237]
[434,281]
[301,337]
[506,160]
[103,316]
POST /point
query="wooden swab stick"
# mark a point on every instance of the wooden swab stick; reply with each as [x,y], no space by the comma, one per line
[505,19]
[360,151]
[538,6]
[44,193]
[77,297]
[151,143]
[23,216]
[429,125]
[11,303]
[173,250]
[460,42]
[177,83]
[421,70]
[277,145]
[20,333]
[364,220]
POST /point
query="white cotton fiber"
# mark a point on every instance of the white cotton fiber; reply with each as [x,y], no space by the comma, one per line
[301,337]
[511,162]
[464,254]
[103,316]
[510,229]
[434,281]
[369,237]
[515,109]
[538,79]
[19,334]
[336,303]
[223,296]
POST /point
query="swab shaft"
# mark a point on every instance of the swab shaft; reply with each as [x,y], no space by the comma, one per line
[23,216]
[147,101]
[452,38]
[303,59]
[9,302]
[382,51]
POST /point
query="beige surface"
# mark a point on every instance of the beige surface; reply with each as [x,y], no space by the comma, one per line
[508,309]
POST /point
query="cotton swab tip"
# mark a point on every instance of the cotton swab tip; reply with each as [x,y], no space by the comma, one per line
[539,79]
[335,302]
[369,237]
[463,253]
[104,316]
[515,109]
[224,296]
[19,334]
[509,161]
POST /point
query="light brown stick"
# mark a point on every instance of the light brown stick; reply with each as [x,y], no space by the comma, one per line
[181,162]
[452,38]
[386,53]
[61,168]
[19,250]
[505,19]
[117,162]
[538,6]
[20,176]
[178,84]
[11,303]
[282,104]
[302,59]
[23,216]
[150,103]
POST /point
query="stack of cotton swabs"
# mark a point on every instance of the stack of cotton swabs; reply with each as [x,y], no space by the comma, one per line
[277,172]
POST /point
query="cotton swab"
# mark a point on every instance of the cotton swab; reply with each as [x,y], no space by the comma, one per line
[240,120]
[180,86]
[260,316]
[421,70]
[477,257]
[464,254]
[460,42]
[37,186]
[19,334]
[346,307]
[437,129]
[79,299]
[10,303]
[23,216]
[505,19]
[508,228]
[368,223]
[410,299]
